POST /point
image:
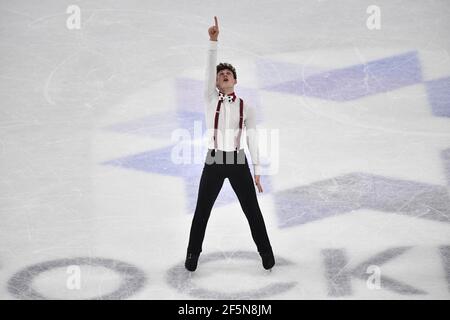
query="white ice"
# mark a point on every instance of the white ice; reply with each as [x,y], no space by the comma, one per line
[61,89]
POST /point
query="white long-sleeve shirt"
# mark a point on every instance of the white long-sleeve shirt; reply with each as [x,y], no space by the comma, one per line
[228,124]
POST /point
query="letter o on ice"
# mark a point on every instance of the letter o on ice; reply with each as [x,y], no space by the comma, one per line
[182,280]
[133,279]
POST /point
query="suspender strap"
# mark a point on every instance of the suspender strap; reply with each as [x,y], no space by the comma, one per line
[216,123]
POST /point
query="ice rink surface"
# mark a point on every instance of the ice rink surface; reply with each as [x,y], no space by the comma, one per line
[356,192]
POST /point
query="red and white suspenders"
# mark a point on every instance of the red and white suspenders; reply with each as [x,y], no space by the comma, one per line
[216,124]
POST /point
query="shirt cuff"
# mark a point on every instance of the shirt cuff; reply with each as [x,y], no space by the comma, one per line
[213,45]
[257,169]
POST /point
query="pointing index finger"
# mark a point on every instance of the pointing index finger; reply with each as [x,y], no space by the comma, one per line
[215,22]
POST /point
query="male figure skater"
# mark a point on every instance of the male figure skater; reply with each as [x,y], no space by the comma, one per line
[227,114]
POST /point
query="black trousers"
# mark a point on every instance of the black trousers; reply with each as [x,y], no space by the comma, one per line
[234,166]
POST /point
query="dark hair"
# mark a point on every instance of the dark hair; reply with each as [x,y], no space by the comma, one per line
[223,65]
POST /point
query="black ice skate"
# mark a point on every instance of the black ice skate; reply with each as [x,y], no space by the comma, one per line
[268,260]
[191,261]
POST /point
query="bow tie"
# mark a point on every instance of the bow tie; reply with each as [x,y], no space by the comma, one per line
[227,97]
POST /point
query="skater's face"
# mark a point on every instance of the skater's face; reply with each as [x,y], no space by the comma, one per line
[225,79]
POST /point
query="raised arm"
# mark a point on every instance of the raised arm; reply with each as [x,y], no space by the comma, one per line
[210,83]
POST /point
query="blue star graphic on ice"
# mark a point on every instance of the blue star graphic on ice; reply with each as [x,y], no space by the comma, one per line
[358,190]
[299,205]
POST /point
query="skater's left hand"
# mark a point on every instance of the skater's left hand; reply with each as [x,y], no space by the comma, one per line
[258,183]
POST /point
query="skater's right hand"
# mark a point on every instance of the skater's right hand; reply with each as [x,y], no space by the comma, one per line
[214,30]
